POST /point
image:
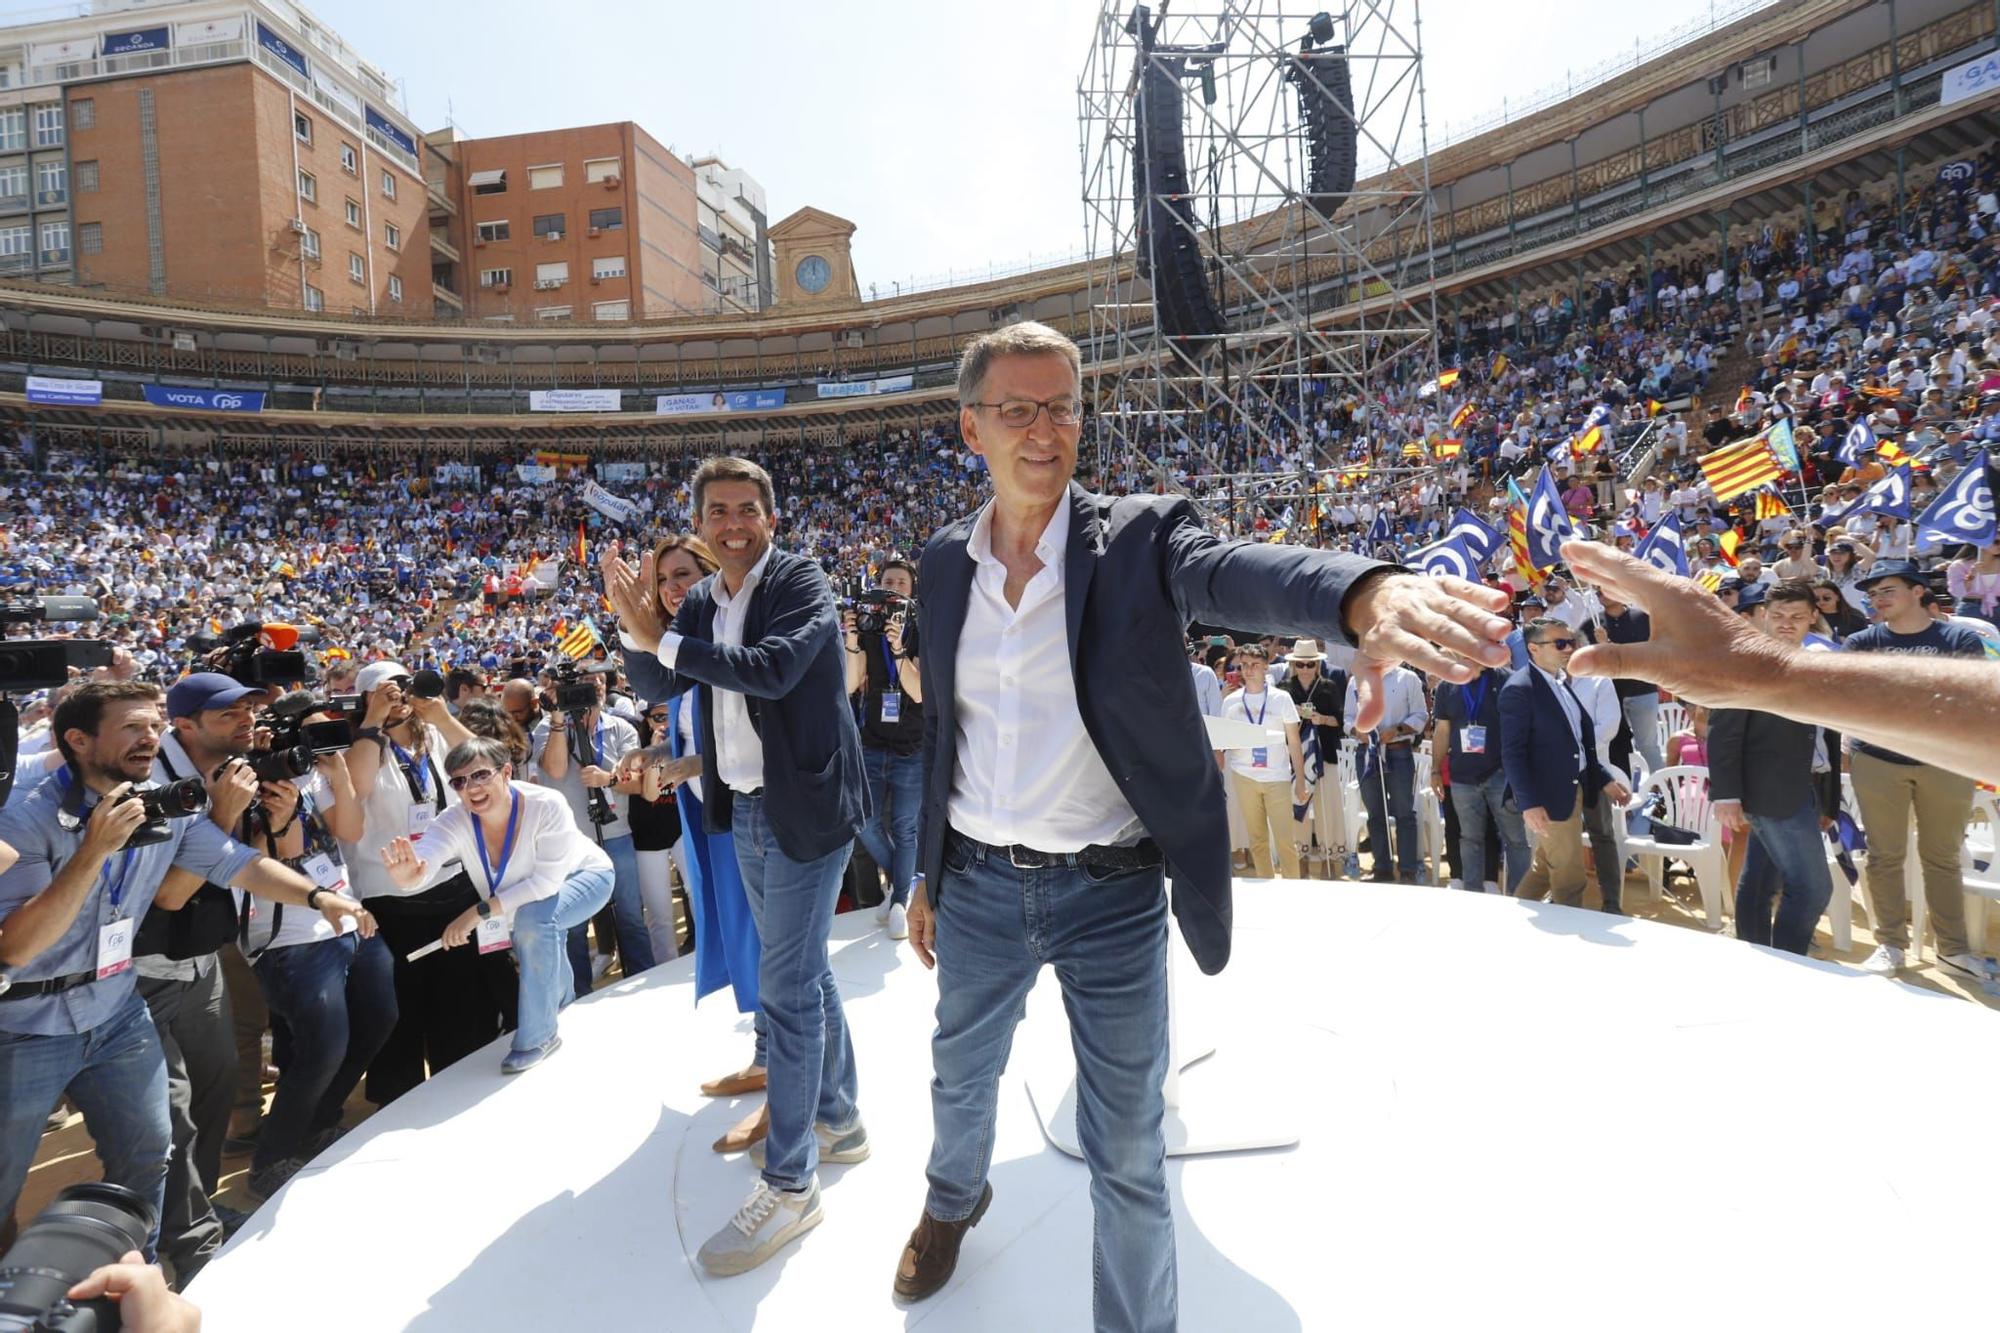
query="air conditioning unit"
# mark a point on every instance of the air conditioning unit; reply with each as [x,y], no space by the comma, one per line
[184,342]
[852,338]
[299,226]
[595,231]
[499,286]
[479,240]
[547,284]
[552,236]
[595,279]
[611,182]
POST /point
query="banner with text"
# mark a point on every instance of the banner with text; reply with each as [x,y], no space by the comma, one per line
[206,400]
[573,400]
[1974,77]
[622,471]
[867,388]
[686,404]
[77,393]
[533,473]
[609,505]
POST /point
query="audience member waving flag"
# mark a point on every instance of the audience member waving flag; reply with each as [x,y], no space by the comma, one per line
[1769,505]
[580,640]
[1891,496]
[1379,532]
[1783,447]
[1663,547]
[1548,522]
[1479,537]
[1964,510]
[1517,533]
[1739,468]
[1859,436]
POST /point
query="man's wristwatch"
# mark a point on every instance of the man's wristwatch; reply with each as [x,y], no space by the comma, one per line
[312,897]
[484,908]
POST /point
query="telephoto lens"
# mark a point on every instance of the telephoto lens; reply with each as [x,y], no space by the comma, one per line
[83,1229]
[174,800]
[282,765]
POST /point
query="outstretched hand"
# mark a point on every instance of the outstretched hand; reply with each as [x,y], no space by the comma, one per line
[1445,627]
[633,590]
[405,867]
[1699,648]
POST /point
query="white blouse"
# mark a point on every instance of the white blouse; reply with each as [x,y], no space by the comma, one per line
[548,849]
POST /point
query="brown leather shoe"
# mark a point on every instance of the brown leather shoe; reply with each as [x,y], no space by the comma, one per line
[750,1129]
[752,1079]
[932,1254]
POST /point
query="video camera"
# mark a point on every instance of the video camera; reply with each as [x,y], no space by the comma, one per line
[40,664]
[82,1230]
[576,689]
[286,716]
[240,652]
[874,608]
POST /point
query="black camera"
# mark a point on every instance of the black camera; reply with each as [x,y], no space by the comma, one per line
[280,765]
[239,653]
[162,802]
[286,720]
[874,608]
[575,690]
[82,1230]
[426,684]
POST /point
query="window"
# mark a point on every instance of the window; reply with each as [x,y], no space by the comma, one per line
[612,310]
[83,113]
[315,298]
[353,213]
[302,126]
[545,178]
[392,236]
[549,224]
[494,231]
[90,238]
[55,242]
[86,178]
[14,185]
[551,275]
[309,244]
[496,277]
[395,289]
[612,266]
[16,242]
[489,182]
[388,184]
[13,129]
[349,163]
[356,269]
[551,312]
[49,126]
[600,168]
[607,219]
[51,182]
[308,186]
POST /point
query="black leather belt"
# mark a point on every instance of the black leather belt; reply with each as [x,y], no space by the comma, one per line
[1142,855]
[23,990]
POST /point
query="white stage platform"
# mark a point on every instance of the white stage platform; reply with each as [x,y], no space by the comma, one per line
[1509,1115]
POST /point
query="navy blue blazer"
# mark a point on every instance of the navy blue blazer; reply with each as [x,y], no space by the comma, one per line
[1137,570]
[1538,749]
[792,672]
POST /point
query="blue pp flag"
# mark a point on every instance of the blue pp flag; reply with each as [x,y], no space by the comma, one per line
[1479,537]
[1891,496]
[1963,511]
[1548,523]
[1449,556]
[1859,436]
[1664,547]
[1378,531]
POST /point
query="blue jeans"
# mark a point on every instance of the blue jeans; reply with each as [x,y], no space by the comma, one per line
[1398,771]
[337,998]
[809,1058]
[895,791]
[117,1076]
[539,930]
[1106,935]
[628,908]
[1642,714]
[1783,867]
[1474,801]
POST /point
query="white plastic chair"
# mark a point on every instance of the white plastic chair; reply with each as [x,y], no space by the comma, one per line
[1353,815]
[1980,860]
[1430,819]
[1683,793]
[1673,720]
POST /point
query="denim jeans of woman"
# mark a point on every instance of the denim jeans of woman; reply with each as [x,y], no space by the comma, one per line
[337,1000]
[540,928]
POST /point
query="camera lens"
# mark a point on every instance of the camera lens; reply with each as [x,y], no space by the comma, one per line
[177,800]
[283,765]
[425,685]
[86,1227]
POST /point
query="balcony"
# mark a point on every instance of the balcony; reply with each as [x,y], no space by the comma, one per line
[440,201]
[442,248]
[448,302]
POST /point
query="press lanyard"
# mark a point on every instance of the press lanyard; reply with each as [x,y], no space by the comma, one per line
[597,744]
[889,665]
[124,862]
[493,877]
[1475,697]
[1259,719]
[418,773]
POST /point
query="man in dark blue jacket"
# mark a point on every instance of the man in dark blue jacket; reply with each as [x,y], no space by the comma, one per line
[1549,748]
[781,768]
[1067,768]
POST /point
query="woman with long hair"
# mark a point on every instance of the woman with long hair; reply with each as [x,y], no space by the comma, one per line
[1837,617]
[1974,578]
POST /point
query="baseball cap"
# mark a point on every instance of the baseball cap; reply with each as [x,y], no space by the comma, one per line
[205,690]
[375,673]
[1905,570]
[1750,595]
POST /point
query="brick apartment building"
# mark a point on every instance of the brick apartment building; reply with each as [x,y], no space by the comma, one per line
[237,153]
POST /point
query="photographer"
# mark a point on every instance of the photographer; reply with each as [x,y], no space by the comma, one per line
[451,1002]
[72,1019]
[576,752]
[334,991]
[462,684]
[882,673]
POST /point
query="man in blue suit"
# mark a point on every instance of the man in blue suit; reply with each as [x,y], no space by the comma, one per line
[1549,748]
[781,768]
[1067,769]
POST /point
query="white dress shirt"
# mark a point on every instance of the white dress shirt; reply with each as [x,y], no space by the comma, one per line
[1402,701]
[1027,772]
[1600,696]
[739,750]
[548,849]
[1572,710]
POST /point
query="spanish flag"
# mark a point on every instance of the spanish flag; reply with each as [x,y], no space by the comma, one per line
[1447,378]
[1448,448]
[1499,364]
[581,639]
[1891,453]
[1739,467]
[1587,443]
[1654,407]
[1465,413]
[1770,506]
[582,547]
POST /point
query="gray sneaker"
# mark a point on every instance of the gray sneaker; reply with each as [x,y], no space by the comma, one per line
[266,1181]
[837,1147]
[768,1221]
[1966,966]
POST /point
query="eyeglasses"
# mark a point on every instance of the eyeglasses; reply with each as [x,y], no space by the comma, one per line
[662,716]
[1020,413]
[472,779]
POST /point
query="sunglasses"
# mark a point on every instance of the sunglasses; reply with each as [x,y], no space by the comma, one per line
[1560,645]
[661,716]
[472,779]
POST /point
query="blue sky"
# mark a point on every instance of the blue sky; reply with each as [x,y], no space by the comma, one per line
[946,130]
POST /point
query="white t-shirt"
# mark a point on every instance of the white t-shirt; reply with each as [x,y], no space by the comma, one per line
[548,849]
[1272,711]
[386,815]
[295,924]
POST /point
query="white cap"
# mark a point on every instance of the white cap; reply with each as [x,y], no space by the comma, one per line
[375,673]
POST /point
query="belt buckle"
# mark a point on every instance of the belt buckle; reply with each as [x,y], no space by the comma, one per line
[1015,861]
